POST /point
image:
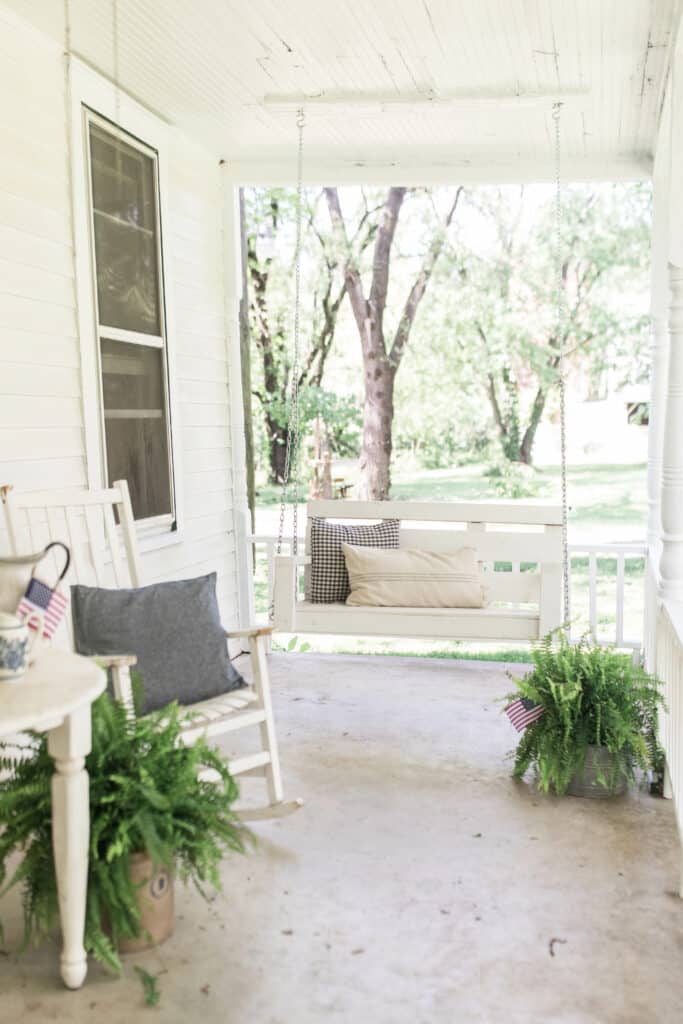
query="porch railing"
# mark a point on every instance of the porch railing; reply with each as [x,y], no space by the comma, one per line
[607,564]
[596,570]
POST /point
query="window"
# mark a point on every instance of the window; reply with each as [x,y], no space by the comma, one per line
[130,318]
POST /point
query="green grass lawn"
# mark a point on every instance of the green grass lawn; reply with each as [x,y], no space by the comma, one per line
[601,497]
[608,503]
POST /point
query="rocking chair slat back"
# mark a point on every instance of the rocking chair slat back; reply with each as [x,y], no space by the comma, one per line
[112,540]
[94,523]
[84,520]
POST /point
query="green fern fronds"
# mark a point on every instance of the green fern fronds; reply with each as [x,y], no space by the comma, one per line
[150,986]
[145,796]
[592,696]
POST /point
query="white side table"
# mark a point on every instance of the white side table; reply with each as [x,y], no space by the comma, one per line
[55,697]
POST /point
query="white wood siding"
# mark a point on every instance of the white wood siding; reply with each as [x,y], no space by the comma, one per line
[202,436]
[41,429]
[42,433]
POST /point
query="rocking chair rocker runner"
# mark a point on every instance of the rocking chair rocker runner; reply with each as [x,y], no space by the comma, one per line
[105,554]
[525,605]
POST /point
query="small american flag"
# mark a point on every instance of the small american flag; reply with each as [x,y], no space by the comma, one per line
[50,604]
[522,712]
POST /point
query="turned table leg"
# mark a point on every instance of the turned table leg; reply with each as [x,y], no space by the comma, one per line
[68,744]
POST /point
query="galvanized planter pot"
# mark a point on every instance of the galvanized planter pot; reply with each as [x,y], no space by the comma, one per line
[155,899]
[587,783]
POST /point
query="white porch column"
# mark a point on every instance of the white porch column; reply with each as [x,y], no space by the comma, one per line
[655,438]
[232,257]
[655,442]
[659,335]
[671,563]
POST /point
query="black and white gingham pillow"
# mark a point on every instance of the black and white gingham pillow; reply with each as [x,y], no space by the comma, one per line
[329,578]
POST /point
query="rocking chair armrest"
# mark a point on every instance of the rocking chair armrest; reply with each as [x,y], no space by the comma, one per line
[116,660]
[252,631]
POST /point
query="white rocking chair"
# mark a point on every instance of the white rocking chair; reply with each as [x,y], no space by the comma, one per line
[104,554]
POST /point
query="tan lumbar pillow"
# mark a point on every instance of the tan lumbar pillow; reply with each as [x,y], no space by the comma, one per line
[412,578]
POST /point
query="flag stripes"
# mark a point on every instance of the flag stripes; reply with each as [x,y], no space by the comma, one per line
[522,712]
[50,604]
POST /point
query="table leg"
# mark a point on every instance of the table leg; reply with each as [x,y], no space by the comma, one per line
[68,744]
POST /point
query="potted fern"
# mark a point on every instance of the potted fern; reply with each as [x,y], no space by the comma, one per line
[598,723]
[151,818]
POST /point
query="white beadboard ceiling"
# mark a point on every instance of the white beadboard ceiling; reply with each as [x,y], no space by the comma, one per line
[225,72]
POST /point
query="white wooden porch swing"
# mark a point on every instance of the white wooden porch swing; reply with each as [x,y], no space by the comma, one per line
[525,603]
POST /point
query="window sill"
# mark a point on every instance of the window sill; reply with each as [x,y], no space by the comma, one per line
[162,537]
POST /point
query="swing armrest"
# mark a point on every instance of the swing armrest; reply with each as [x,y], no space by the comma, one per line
[286,590]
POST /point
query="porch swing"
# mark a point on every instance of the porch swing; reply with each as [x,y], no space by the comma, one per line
[523,604]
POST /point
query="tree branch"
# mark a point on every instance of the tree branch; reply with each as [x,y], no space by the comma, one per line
[352,278]
[380,260]
[419,287]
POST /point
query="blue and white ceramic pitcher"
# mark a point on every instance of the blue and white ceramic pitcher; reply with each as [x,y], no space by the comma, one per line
[16,646]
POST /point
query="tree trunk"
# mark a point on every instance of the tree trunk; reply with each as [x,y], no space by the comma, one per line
[380,362]
[378,416]
[527,444]
[269,344]
[277,449]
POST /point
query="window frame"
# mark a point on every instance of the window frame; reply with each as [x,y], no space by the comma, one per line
[95,100]
[123,335]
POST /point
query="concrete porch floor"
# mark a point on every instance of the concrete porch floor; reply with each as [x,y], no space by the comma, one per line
[418,884]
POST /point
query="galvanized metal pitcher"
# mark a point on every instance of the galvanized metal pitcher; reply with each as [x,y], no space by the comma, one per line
[18,579]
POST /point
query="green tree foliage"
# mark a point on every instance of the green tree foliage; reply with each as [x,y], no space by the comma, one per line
[382,349]
[271,247]
[490,327]
[480,371]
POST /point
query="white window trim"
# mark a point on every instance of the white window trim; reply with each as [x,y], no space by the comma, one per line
[88,89]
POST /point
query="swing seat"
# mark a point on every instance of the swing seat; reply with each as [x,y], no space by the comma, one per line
[519,545]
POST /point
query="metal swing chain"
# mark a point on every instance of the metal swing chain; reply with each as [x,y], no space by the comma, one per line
[557,111]
[290,476]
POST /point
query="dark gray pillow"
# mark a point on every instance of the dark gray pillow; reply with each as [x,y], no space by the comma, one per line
[329,578]
[175,630]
